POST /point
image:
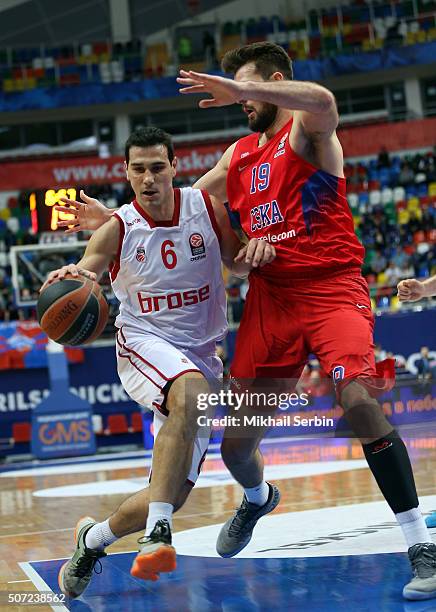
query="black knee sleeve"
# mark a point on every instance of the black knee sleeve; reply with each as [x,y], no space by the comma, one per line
[389,462]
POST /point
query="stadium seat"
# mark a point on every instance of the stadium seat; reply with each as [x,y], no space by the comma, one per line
[116,424]
[387,195]
[419,237]
[375,197]
[399,194]
[21,432]
[136,422]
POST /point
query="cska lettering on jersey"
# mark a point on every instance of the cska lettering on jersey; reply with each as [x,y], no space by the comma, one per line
[265,215]
[170,301]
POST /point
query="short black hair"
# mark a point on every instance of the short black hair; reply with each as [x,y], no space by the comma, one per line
[266,56]
[148,137]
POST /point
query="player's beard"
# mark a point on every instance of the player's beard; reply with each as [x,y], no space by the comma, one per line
[263,118]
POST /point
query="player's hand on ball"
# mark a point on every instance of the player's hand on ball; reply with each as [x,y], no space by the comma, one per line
[257,253]
[410,290]
[72,269]
[89,214]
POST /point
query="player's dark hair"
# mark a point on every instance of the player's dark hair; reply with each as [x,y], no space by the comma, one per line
[148,137]
[266,56]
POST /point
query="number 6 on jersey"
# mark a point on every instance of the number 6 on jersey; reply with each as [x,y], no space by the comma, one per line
[169,256]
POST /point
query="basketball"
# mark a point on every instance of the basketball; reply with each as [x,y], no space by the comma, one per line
[73,310]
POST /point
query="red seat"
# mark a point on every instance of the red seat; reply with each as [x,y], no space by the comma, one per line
[431,236]
[116,424]
[419,237]
[21,432]
[136,422]
[401,205]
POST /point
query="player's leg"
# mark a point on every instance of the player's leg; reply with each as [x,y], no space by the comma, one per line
[172,460]
[341,337]
[269,349]
[145,366]
[92,538]
[244,460]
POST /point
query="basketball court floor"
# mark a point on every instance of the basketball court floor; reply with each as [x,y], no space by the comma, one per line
[331,544]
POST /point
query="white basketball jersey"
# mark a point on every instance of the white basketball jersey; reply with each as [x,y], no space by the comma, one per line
[168,275]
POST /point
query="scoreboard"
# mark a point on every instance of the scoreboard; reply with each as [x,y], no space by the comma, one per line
[43,214]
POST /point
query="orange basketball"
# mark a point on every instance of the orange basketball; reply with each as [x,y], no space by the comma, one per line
[73,310]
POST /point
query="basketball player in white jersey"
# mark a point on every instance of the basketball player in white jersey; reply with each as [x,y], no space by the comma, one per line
[164,252]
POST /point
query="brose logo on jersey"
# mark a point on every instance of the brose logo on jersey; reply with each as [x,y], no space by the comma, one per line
[140,254]
[170,301]
[198,249]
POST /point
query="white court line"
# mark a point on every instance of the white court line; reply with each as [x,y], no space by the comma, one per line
[16,581]
[26,533]
[40,584]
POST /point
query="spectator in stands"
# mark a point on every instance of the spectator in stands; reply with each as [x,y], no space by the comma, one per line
[184,48]
[424,365]
[401,370]
[393,36]
[400,258]
[383,160]
[379,353]
[379,262]
[406,270]
[209,50]
[393,274]
[407,176]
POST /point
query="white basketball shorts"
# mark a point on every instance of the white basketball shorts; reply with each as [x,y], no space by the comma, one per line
[147,363]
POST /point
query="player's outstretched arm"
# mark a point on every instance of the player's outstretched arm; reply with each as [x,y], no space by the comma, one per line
[90,214]
[412,290]
[293,95]
[315,112]
[238,257]
[101,249]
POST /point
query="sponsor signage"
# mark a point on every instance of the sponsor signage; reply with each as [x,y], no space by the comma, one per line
[70,172]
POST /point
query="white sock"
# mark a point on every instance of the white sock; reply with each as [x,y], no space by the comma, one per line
[158,511]
[413,526]
[258,495]
[100,536]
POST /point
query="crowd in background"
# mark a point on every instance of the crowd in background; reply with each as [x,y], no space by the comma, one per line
[392,199]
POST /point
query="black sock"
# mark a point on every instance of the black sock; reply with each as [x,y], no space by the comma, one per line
[389,462]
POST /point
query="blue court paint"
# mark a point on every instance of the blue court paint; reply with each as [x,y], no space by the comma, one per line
[431,521]
[330,584]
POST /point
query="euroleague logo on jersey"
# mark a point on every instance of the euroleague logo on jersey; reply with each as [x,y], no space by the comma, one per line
[140,254]
[196,243]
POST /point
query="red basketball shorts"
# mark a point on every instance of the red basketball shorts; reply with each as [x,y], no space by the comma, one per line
[282,325]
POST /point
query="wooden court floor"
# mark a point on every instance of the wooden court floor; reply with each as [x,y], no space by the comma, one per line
[37,528]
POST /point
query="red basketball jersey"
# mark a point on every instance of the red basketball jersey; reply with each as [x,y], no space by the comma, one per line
[301,210]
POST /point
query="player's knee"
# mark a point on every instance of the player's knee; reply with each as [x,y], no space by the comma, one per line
[363,412]
[233,451]
[182,398]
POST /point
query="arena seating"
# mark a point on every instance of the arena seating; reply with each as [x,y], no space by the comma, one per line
[341,29]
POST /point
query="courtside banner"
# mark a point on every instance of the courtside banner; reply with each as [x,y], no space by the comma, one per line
[52,174]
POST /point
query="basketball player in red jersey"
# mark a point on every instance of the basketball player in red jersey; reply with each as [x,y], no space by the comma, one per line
[286,182]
